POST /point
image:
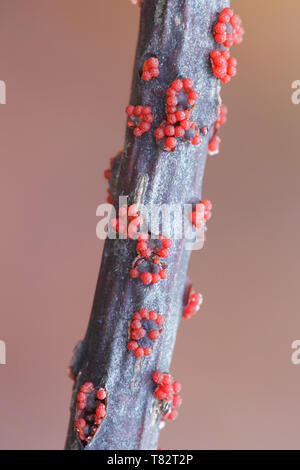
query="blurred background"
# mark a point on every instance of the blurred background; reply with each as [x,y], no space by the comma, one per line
[67,65]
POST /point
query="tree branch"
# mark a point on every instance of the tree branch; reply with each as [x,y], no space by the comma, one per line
[180,34]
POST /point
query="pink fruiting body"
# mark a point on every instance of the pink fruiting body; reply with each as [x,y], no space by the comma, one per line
[167,390]
[201,213]
[145,327]
[150,69]
[150,253]
[180,100]
[91,409]
[193,304]
[227,31]
[224,66]
[140,118]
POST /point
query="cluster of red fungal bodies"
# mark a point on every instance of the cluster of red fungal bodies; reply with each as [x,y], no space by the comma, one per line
[167,390]
[224,66]
[140,118]
[150,69]
[201,214]
[194,302]
[140,321]
[181,97]
[227,32]
[150,253]
[90,411]
[180,100]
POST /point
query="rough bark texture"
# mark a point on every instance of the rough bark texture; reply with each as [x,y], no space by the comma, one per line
[180,34]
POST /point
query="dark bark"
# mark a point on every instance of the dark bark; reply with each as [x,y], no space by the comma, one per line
[180,34]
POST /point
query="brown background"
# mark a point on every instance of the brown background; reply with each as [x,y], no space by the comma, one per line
[67,66]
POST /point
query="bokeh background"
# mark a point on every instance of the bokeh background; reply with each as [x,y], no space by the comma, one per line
[67,65]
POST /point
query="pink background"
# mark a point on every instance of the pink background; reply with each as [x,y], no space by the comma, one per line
[67,65]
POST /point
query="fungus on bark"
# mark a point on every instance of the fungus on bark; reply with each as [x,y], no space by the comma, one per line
[181,35]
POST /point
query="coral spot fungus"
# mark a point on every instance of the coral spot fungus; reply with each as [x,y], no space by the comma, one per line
[224,66]
[167,391]
[145,329]
[150,69]
[140,119]
[228,30]
[180,100]
[148,265]
[91,409]
[193,304]
[201,214]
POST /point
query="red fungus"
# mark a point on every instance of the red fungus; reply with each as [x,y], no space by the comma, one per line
[228,30]
[181,99]
[193,304]
[150,69]
[140,118]
[167,391]
[201,214]
[149,255]
[145,329]
[91,409]
[224,66]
